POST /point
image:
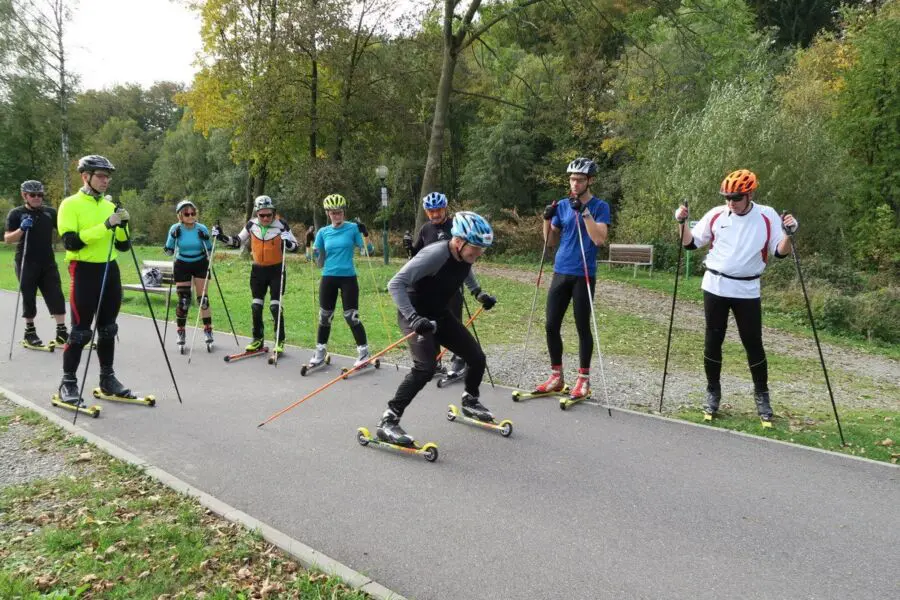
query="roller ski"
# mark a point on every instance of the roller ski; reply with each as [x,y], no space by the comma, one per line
[711,406]
[554,386]
[208,338]
[475,413]
[33,342]
[363,361]
[111,389]
[391,436]
[764,409]
[319,358]
[180,339]
[457,372]
[69,398]
[276,353]
[579,393]
[254,348]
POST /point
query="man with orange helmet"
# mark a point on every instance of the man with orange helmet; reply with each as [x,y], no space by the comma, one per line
[741,236]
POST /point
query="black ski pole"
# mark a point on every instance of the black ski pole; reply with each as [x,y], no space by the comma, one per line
[537,287]
[169,297]
[475,331]
[812,323]
[662,393]
[222,295]
[21,273]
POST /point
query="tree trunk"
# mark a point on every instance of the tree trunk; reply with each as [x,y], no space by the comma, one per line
[59,15]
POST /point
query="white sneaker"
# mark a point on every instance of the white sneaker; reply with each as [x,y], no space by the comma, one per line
[318,356]
[362,355]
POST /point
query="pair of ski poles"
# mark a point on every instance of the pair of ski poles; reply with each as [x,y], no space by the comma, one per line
[211,272]
[12,339]
[809,313]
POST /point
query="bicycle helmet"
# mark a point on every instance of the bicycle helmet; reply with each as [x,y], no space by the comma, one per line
[262,202]
[434,201]
[334,202]
[32,187]
[94,162]
[473,228]
[582,166]
[738,183]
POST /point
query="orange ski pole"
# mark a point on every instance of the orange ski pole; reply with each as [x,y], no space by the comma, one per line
[469,322]
[338,378]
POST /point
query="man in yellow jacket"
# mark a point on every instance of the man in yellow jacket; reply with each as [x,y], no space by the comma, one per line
[92,230]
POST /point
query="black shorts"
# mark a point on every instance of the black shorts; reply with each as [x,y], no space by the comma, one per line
[183,271]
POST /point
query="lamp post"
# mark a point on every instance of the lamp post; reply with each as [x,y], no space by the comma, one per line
[382,172]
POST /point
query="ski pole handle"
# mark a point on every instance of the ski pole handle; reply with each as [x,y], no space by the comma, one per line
[472,318]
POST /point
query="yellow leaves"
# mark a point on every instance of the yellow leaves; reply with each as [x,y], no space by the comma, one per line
[887,443]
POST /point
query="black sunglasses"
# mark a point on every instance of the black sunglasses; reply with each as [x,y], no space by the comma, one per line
[38,195]
[265,215]
[185,213]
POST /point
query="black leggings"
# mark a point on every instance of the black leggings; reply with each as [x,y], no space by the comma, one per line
[565,289]
[84,294]
[329,287]
[748,316]
[451,334]
[42,276]
[267,279]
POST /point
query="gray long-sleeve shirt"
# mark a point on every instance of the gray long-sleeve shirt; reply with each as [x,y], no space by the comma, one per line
[429,280]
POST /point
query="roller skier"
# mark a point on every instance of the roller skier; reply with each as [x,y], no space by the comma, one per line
[31,226]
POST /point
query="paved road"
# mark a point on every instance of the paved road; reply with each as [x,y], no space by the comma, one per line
[575,505]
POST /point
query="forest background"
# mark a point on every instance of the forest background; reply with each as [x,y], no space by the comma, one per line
[487,102]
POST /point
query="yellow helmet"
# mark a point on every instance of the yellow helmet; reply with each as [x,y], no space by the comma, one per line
[334,202]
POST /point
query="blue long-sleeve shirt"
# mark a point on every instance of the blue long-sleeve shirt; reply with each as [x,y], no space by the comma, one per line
[189,247]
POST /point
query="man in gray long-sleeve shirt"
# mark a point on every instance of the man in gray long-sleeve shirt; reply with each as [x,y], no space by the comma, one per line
[421,291]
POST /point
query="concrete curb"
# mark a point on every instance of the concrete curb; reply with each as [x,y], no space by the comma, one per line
[308,557]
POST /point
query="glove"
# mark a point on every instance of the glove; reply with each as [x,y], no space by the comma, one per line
[202,234]
[681,214]
[117,218]
[169,251]
[577,206]
[789,224]
[421,325]
[176,233]
[26,223]
[549,211]
[362,227]
[289,244]
[487,301]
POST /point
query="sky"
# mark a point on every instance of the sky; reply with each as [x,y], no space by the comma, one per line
[114,42]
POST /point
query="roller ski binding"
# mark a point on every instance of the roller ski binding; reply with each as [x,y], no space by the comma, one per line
[391,436]
[457,372]
[33,342]
[208,338]
[180,339]
[554,386]
[711,407]
[111,389]
[363,361]
[579,393]
[69,398]
[254,348]
[276,353]
[319,358]
[475,413]
[764,409]
[62,337]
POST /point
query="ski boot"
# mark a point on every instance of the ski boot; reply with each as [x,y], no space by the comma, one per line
[554,386]
[763,408]
[208,337]
[111,389]
[320,357]
[33,342]
[68,397]
[475,413]
[711,406]
[180,339]
[62,337]
[581,391]
[254,348]
[277,351]
[362,361]
[391,436]
[457,371]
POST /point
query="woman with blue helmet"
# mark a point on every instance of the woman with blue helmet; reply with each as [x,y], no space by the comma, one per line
[422,290]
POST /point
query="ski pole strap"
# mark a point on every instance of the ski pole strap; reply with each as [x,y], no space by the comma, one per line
[726,276]
[469,322]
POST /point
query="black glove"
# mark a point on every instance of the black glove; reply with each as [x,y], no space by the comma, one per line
[487,301]
[577,206]
[362,227]
[177,233]
[422,325]
[202,234]
[169,251]
[549,211]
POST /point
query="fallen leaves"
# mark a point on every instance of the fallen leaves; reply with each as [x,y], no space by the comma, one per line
[887,443]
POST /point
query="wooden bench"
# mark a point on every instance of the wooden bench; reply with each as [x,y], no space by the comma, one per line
[166,269]
[639,255]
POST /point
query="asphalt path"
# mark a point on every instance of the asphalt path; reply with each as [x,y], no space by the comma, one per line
[576,504]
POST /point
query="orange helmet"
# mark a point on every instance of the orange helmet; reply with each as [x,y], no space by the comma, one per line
[739,183]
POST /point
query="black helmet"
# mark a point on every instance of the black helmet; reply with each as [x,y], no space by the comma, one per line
[32,187]
[94,162]
[583,166]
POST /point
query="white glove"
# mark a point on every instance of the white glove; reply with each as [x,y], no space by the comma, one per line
[117,218]
[681,214]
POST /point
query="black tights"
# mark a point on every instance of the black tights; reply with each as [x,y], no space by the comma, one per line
[748,316]
[563,290]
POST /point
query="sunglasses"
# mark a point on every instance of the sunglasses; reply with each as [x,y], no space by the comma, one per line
[265,215]
[185,213]
[30,195]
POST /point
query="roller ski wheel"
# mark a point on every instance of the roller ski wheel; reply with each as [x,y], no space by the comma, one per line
[519,395]
[568,401]
[242,355]
[309,367]
[129,399]
[273,358]
[708,417]
[504,427]
[92,411]
[428,451]
[451,377]
[766,423]
[48,348]
[347,371]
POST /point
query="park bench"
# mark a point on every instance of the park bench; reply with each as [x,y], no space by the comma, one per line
[638,255]
[166,269]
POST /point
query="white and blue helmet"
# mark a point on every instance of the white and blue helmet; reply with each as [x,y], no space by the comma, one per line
[473,228]
[434,201]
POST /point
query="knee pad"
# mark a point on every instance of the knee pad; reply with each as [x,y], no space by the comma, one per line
[352,317]
[256,307]
[184,303]
[325,317]
[79,337]
[203,301]
[273,308]
[107,332]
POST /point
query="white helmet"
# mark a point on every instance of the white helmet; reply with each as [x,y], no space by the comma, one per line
[262,202]
[184,203]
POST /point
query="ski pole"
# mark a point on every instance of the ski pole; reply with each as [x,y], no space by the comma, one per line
[202,297]
[224,304]
[812,323]
[12,340]
[384,322]
[537,286]
[169,296]
[662,393]
[338,378]
[471,318]
[475,331]
[281,282]
[587,283]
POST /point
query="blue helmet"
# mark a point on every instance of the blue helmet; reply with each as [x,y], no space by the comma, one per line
[473,228]
[434,201]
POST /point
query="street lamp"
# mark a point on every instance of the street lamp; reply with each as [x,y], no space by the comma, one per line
[382,172]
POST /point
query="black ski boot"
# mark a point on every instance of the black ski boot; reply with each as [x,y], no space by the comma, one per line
[458,367]
[389,430]
[62,336]
[68,391]
[180,339]
[763,408]
[474,409]
[711,406]
[111,386]
[31,337]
